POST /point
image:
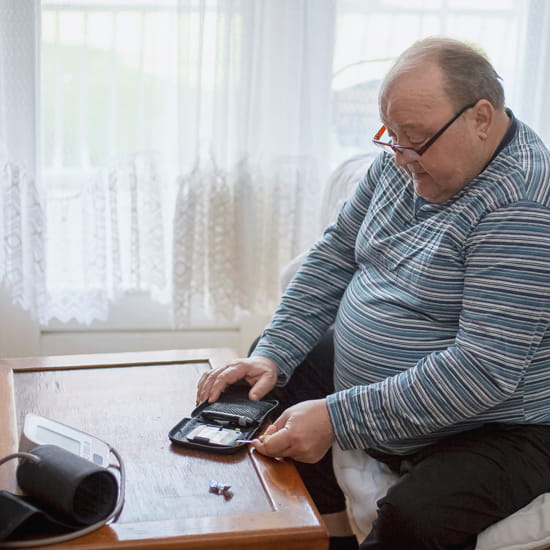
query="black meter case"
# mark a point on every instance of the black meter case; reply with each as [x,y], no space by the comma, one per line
[219,427]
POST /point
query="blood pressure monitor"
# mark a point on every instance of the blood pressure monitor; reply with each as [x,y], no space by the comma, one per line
[38,430]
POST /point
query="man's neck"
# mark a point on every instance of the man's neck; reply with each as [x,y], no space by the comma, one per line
[502,123]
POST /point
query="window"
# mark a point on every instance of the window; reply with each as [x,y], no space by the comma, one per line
[184,144]
[179,139]
[371,34]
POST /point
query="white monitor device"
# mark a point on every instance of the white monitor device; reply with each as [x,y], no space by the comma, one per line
[38,430]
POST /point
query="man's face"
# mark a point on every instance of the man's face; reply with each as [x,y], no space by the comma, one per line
[414,109]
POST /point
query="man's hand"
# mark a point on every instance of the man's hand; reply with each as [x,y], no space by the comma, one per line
[303,432]
[260,372]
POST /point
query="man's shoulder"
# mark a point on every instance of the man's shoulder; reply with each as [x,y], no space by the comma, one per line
[529,152]
[521,171]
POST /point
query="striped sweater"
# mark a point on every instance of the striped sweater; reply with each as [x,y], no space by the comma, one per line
[441,311]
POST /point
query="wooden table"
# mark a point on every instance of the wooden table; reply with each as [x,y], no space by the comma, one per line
[131,400]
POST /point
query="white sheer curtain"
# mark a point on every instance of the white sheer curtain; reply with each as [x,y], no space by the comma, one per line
[22,256]
[184,143]
[249,205]
[533,82]
[193,162]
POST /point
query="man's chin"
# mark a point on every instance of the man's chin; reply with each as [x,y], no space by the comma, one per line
[425,187]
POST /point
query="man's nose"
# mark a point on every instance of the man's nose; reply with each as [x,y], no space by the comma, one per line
[405,157]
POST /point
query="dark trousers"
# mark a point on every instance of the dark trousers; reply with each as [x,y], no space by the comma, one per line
[448,492]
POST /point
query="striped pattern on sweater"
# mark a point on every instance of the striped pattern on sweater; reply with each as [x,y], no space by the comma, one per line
[441,311]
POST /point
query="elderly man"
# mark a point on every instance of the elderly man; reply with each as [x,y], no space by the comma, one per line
[436,276]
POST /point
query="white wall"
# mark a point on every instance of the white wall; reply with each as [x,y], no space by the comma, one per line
[19,334]
[136,324]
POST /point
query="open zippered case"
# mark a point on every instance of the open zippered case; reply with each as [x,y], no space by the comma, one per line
[218,427]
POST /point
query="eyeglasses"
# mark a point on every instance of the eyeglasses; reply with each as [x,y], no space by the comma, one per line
[393,148]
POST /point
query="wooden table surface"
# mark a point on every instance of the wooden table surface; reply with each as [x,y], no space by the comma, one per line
[131,401]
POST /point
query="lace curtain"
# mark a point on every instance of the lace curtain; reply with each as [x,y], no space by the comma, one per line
[183,148]
[22,220]
[106,239]
[251,201]
[533,82]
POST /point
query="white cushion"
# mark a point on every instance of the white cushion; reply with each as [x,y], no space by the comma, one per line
[364,480]
[339,186]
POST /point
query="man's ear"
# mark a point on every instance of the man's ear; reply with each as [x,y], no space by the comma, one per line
[484,116]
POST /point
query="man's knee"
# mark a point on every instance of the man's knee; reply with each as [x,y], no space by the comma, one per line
[413,525]
[399,526]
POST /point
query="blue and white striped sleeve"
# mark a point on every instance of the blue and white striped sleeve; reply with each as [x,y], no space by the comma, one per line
[310,302]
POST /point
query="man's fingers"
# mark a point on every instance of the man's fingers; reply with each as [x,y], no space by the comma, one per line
[260,388]
[303,432]
[229,375]
[205,385]
[277,443]
[270,430]
[260,372]
[212,383]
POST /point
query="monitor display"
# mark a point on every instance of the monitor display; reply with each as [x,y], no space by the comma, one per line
[55,438]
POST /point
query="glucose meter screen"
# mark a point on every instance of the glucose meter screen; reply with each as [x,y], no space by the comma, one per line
[55,438]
